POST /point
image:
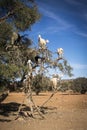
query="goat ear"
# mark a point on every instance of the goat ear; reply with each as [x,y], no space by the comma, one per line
[47,41]
[39,36]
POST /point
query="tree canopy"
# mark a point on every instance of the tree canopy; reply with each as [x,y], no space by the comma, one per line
[15,15]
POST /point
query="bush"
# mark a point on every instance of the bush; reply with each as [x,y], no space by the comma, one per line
[40,83]
[80,85]
[3,84]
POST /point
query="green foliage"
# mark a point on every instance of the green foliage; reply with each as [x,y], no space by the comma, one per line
[77,85]
[23,14]
[80,85]
[37,84]
[5,34]
[66,68]
[27,16]
[40,83]
[15,15]
[63,66]
[13,61]
[64,87]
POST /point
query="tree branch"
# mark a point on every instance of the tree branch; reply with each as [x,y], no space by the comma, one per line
[9,14]
[6,16]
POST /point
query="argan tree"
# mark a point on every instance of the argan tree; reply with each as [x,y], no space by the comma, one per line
[17,59]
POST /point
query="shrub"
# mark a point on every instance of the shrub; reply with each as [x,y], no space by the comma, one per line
[80,85]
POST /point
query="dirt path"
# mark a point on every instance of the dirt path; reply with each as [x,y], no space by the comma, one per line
[65,112]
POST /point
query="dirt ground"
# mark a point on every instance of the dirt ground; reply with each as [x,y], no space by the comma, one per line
[62,112]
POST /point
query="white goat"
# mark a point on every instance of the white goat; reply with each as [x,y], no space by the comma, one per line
[15,38]
[29,62]
[60,52]
[42,42]
[54,82]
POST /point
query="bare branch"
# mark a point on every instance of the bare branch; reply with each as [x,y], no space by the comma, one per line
[6,16]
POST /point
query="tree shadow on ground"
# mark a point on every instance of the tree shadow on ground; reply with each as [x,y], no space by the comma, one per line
[3,96]
[7,108]
[8,111]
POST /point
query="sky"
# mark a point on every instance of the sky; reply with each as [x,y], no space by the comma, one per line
[64,24]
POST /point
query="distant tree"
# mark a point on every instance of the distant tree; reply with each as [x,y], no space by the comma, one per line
[80,85]
[66,85]
[40,83]
[37,84]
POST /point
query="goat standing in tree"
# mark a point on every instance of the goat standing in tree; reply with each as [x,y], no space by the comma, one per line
[16,38]
[42,42]
[60,52]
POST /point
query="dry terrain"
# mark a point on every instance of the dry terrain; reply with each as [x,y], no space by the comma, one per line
[62,112]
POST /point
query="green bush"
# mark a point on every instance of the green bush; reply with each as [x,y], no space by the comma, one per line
[80,85]
[40,83]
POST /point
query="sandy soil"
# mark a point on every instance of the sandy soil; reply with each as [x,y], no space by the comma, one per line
[62,112]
